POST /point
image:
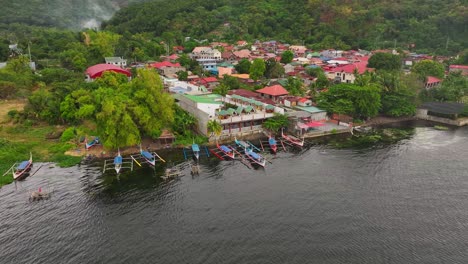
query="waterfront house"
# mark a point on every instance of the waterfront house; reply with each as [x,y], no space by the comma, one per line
[443,112]
[237,115]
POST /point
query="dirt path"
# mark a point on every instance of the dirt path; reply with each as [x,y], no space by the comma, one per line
[8,105]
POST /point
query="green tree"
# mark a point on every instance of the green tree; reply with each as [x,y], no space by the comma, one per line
[287,56]
[214,128]
[257,69]
[351,99]
[295,86]
[276,122]
[243,66]
[273,69]
[385,61]
[182,75]
[453,88]
[426,68]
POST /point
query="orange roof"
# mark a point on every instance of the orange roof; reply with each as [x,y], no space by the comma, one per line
[274,90]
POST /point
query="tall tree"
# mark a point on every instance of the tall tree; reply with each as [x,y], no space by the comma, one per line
[287,56]
[427,68]
[385,61]
[243,66]
[257,69]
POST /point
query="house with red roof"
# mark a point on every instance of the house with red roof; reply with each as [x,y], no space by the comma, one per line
[345,73]
[462,68]
[432,82]
[167,68]
[98,70]
[273,92]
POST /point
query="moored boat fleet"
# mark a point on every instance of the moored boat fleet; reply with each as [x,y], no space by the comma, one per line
[242,150]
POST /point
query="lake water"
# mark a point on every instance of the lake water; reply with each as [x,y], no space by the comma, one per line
[400,203]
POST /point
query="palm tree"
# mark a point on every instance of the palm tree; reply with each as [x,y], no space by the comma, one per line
[214,127]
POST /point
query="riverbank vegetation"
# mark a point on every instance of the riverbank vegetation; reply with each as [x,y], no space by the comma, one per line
[372,138]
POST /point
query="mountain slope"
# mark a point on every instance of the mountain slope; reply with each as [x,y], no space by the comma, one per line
[428,24]
[73,14]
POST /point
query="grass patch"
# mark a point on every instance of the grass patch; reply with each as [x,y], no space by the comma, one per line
[366,140]
[24,139]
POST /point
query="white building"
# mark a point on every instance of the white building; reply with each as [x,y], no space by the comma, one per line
[206,53]
[117,61]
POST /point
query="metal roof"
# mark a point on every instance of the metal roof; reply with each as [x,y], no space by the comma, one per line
[448,108]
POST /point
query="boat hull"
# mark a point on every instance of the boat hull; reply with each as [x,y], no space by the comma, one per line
[21,174]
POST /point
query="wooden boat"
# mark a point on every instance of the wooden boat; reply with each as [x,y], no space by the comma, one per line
[92,143]
[196,151]
[118,162]
[148,157]
[242,144]
[292,139]
[273,144]
[226,150]
[23,168]
[255,157]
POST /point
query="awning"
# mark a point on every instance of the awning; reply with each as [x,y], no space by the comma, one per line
[270,107]
[314,124]
[302,126]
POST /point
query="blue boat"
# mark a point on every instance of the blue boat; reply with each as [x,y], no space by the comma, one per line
[118,162]
[273,144]
[148,157]
[255,157]
[226,150]
[196,151]
[92,143]
[23,168]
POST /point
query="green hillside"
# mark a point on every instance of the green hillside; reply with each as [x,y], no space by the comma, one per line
[431,25]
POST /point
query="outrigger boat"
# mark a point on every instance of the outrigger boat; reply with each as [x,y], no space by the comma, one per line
[292,139]
[255,157]
[93,142]
[148,157]
[196,151]
[118,160]
[273,144]
[226,150]
[242,144]
[23,168]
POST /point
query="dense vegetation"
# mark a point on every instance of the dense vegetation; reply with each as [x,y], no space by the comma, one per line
[424,25]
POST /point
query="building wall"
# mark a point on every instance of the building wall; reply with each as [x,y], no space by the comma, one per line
[342,76]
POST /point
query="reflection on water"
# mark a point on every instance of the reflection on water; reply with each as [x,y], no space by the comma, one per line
[399,203]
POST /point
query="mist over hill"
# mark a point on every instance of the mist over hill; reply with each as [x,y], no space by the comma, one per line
[72,14]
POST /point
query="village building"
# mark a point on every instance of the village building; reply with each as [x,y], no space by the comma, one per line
[273,92]
[207,57]
[432,82]
[345,73]
[462,68]
[98,70]
[237,115]
[442,112]
[117,61]
[299,51]
[167,68]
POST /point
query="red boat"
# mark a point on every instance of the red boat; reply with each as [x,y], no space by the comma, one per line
[292,139]
[226,150]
